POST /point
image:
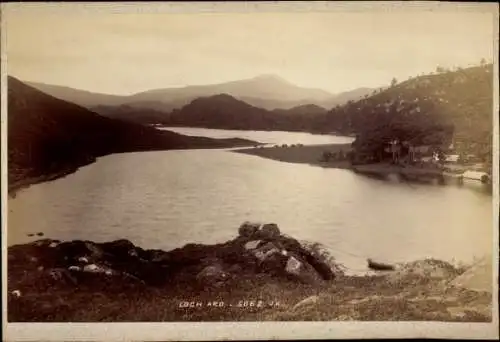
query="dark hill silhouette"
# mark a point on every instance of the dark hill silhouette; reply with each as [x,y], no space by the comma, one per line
[219,111]
[222,111]
[48,137]
[226,112]
[306,109]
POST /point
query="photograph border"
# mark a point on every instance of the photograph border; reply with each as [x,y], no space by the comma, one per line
[249,330]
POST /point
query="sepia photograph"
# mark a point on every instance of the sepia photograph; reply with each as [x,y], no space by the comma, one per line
[249,170]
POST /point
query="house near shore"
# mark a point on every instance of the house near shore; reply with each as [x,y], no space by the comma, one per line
[394,148]
[452,158]
[419,152]
[405,150]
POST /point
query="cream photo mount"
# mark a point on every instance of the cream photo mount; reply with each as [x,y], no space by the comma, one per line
[244,330]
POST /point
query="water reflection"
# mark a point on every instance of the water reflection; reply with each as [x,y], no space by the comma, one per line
[167,199]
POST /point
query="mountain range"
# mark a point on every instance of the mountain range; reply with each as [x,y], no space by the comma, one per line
[265,91]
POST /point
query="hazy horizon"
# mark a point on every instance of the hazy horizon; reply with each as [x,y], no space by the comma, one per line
[127,52]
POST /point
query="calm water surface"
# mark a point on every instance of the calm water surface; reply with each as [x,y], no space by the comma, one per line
[167,199]
[267,137]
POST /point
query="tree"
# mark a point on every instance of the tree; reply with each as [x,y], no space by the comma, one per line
[483,62]
[394,81]
[439,69]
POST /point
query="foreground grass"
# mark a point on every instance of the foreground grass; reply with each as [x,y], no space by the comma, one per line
[419,291]
[361,299]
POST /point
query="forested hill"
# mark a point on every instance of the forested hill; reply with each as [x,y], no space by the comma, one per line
[440,108]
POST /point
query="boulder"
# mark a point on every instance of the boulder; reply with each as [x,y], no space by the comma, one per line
[422,271]
[248,229]
[265,251]
[212,276]
[268,231]
[274,263]
[252,244]
[83,260]
[43,242]
[478,277]
[118,248]
[93,268]
[302,271]
[78,251]
[94,252]
[322,260]
[293,265]
[235,269]
[61,276]
[306,302]
[268,258]
[157,256]
[53,244]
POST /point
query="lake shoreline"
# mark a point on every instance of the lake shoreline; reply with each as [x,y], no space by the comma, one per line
[15,186]
[261,129]
[302,154]
[24,182]
[83,281]
[313,155]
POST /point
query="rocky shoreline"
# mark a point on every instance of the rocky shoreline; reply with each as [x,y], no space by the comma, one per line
[262,274]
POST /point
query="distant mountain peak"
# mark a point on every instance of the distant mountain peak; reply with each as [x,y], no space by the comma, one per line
[270,77]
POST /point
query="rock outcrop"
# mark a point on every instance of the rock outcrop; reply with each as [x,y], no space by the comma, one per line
[259,249]
[261,274]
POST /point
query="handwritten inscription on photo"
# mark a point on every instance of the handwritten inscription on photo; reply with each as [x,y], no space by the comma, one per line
[223,304]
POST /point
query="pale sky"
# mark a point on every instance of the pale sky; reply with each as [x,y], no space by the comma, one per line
[122,51]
